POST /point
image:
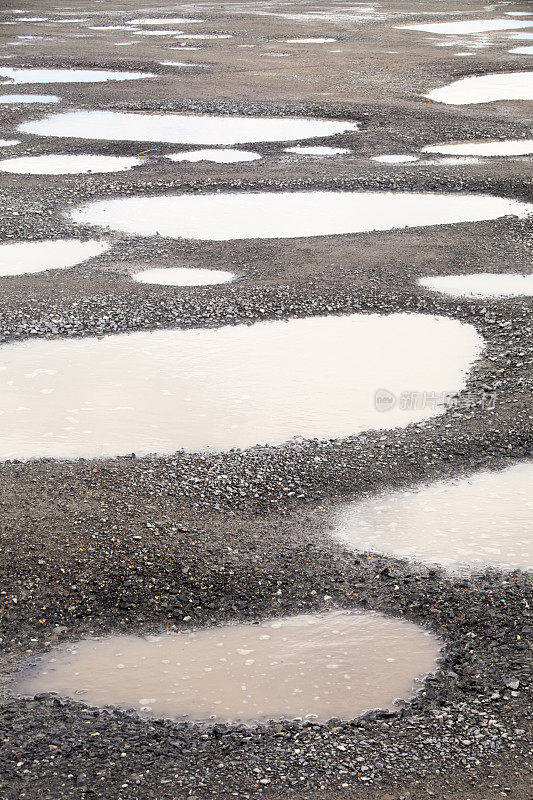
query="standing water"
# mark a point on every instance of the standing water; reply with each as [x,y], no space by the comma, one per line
[337,664]
[234,386]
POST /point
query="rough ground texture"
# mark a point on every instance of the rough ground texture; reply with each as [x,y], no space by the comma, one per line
[148,544]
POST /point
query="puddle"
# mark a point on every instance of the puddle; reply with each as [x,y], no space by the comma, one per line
[234,386]
[486,89]
[510,147]
[318,40]
[521,36]
[522,51]
[163,21]
[227,156]
[180,64]
[18,75]
[205,36]
[465,27]
[181,276]
[156,33]
[482,520]
[483,285]
[29,98]
[24,258]
[181,128]
[9,142]
[317,151]
[399,159]
[67,164]
[450,161]
[285,215]
[336,664]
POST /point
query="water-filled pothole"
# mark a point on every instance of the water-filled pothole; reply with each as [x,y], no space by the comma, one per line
[319,666]
[284,215]
[222,156]
[18,75]
[395,159]
[485,89]
[67,164]
[317,151]
[182,128]
[181,276]
[482,285]
[509,147]
[234,386]
[25,258]
[483,520]
[29,98]
[468,26]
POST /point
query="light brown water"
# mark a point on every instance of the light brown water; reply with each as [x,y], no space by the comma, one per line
[483,520]
[337,664]
[234,386]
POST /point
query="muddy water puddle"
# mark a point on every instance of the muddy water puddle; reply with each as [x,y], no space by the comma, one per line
[234,386]
[67,164]
[336,664]
[284,215]
[182,276]
[483,520]
[482,285]
[485,89]
[182,128]
[24,258]
[16,75]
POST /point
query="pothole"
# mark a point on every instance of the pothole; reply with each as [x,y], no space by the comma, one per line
[25,258]
[483,520]
[482,285]
[509,147]
[486,89]
[67,164]
[233,386]
[468,26]
[223,156]
[181,276]
[317,151]
[20,75]
[29,98]
[338,664]
[182,128]
[284,215]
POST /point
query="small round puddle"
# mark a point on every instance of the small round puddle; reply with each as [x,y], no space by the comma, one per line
[24,258]
[336,664]
[180,276]
[223,156]
[483,520]
[67,164]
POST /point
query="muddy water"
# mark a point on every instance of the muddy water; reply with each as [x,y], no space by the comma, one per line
[337,664]
[483,520]
[486,89]
[234,386]
[284,215]
[182,128]
[482,284]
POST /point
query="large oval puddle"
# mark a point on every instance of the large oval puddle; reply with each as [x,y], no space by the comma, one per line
[67,164]
[482,285]
[483,520]
[182,128]
[284,215]
[25,258]
[337,664]
[234,386]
